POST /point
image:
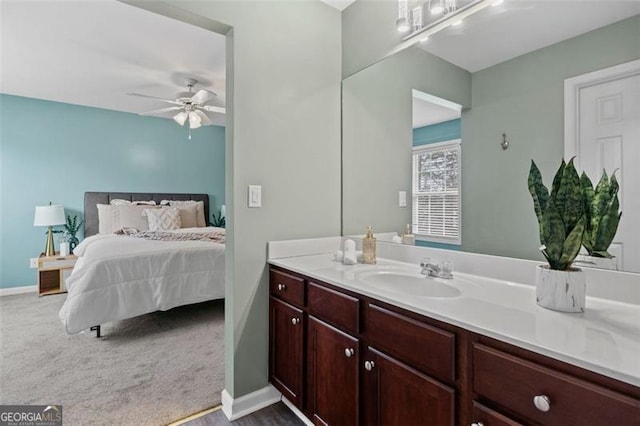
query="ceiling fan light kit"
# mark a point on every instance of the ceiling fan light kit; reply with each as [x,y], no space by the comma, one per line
[190,106]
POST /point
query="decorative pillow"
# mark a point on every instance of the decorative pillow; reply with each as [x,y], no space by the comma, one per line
[163,219]
[120,202]
[188,216]
[114,218]
[202,221]
[108,219]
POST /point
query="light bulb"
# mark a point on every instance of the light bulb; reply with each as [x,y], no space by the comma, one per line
[194,120]
[180,118]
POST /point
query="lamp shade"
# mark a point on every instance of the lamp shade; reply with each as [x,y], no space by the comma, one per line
[49,216]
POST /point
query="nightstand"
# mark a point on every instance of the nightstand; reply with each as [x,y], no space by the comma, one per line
[53,272]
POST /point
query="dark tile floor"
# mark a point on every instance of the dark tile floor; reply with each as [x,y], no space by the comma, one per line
[276,414]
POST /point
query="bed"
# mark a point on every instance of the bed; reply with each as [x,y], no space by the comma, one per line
[122,276]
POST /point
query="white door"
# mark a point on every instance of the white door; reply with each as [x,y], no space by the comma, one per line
[607,137]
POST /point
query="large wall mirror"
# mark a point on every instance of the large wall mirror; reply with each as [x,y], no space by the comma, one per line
[513,90]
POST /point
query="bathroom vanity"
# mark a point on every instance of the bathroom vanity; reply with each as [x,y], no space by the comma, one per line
[346,350]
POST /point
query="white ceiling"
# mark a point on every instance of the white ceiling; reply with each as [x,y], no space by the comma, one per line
[426,113]
[93,52]
[496,34]
[338,4]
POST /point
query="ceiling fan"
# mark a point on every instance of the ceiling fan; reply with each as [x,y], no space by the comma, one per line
[190,106]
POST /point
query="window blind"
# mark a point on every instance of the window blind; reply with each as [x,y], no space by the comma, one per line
[436,192]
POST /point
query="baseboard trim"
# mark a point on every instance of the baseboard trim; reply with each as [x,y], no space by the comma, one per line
[18,290]
[297,412]
[247,404]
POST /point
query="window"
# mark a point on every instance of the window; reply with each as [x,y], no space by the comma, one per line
[436,192]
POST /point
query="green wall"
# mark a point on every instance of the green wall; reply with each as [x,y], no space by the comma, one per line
[377,134]
[51,151]
[283,132]
[524,98]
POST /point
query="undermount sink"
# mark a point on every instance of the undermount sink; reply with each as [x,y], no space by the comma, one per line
[406,282]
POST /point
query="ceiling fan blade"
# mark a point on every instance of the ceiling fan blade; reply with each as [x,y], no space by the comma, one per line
[202,96]
[171,101]
[211,108]
[160,111]
[203,116]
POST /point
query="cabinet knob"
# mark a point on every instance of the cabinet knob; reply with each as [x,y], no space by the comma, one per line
[542,403]
[295,321]
[477,424]
[368,365]
[349,352]
[281,287]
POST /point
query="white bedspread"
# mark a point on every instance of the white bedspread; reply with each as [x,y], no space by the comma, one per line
[118,277]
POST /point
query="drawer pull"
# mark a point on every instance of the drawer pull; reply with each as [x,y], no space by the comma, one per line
[542,403]
[368,365]
[349,352]
[477,424]
[295,321]
[281,287]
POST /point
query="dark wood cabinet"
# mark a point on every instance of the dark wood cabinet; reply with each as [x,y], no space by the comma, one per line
[333,362]
[396,394]
[539,394]
[415,370]
[286,361]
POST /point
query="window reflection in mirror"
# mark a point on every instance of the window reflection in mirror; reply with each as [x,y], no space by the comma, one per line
[436,177]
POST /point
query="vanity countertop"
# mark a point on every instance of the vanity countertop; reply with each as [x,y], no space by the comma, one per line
[604,339]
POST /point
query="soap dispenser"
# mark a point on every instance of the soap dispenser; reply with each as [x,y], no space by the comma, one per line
[369,247]
[408,238]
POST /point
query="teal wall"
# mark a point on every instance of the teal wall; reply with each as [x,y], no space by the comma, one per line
[51,151]
[439,132]
[434,133]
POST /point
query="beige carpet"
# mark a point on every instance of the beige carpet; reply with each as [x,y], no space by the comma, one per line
[148,370]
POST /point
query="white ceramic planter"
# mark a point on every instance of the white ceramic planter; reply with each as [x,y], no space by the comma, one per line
[597,262]
[563,291]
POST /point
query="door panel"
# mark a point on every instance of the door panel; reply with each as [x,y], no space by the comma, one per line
[333,375]
[609,138]
[396,394]
[286,363]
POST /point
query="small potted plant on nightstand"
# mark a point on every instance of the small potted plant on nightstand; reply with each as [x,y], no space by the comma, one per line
[71,228]
[561,219]
[601,207]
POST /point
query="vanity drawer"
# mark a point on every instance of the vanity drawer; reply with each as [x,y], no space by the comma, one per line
[334,307]
[513,382]
[286,287]
[419,345]
[487,417]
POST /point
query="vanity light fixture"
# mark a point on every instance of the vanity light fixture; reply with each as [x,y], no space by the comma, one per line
[453,13]
[402,23]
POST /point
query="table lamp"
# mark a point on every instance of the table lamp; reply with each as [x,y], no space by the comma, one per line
[49,216]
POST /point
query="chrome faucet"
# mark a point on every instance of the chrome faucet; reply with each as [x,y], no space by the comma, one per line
[429,269]
[444,270]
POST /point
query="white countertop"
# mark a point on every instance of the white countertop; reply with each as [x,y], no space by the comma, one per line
[604,339]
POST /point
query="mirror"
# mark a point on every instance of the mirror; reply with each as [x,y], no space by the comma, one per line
[521,96]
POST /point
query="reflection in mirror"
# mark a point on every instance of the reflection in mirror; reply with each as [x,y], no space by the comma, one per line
[521,95]
[437,162]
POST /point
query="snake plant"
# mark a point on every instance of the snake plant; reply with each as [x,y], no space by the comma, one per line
[560,214]
[602,216]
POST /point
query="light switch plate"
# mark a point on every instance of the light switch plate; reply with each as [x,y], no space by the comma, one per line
[255,196]
[33,262]
[402,198]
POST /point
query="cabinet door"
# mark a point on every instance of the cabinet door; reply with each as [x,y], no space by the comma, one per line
[396,394]
[285,352]
[333,375]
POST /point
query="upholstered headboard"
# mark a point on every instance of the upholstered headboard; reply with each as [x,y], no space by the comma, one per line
[91,199]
